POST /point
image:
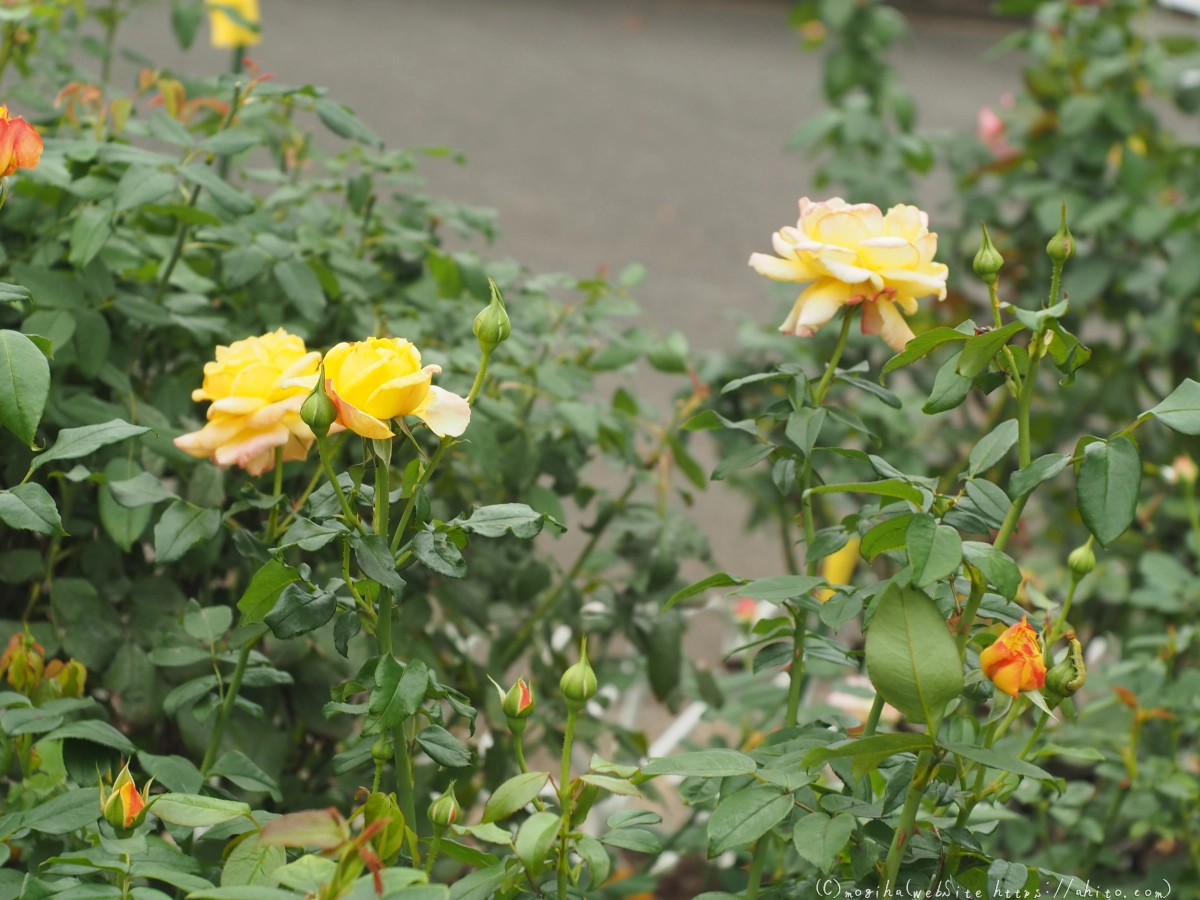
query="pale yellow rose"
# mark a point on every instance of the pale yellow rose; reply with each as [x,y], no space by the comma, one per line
[255,403]
[379,379]
[228,33]
[853,253]
[838,567]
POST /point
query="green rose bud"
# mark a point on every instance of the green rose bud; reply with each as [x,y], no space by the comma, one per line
[445,811]
[491,326]
[1081,561]
[318,411]
[1062,245]
[381,750]
[988,260]
[1068,676]
[578,683]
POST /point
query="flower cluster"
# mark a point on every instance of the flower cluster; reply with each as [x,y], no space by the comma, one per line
[257,387]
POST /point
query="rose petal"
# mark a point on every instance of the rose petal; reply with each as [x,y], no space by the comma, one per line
[445,413]
[356,420]
[781,269]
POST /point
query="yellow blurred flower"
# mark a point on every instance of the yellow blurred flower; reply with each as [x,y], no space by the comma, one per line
[379,379]
[227,31]
[838,568]
[853,253]
[255,403]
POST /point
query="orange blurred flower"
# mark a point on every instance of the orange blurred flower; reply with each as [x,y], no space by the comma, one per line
[1014,662]
[20,144]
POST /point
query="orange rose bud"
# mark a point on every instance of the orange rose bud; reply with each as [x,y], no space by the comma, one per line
[1014,662]
[124,808]
[20,145]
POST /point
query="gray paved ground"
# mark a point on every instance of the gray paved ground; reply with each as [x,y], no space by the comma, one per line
[606,131]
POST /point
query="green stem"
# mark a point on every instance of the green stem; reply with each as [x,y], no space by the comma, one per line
[1055,281]
[873,716]
[323,452]
[181,232]
[110,38]
[273,519]
[970,608]
[565,802]
[404,778]
[908,818]
[434,846]
[398,537]
[1189,500]
[796,681]
[823,385]
[223,717]
[383,626]
[756,867]
[1060,624]
[1037,733]
[485,356]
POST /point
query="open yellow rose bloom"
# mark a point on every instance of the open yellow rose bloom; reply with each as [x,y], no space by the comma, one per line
[853,253]
[379,379]
[227,33]
[256,403]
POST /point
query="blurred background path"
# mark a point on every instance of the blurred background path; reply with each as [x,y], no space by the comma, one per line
[607,132]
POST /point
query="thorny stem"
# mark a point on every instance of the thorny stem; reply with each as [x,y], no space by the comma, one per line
[908,818]
[970,608]
[484,357]
[796,679]
[278,489]
[398,537]
[383,626]
[565,801]
[323,452]
[823,385]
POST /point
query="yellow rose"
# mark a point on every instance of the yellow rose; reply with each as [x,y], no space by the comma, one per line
[227,32]
[852,253]
[255,403]
[838,567]
[379,379]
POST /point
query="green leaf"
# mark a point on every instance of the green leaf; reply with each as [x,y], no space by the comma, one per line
[72,443]
[307,875]
[176,773]
[950,388]
[745,816]
[979,350]
[720,579]
[891,487]
[24,385]
[710,420]
[1179,411]
[243,892]
[533,841]
[753,379]
[441,746]
[517,519]
[196,810]
[252,862]
[598,861]
[1108,486]
[376,561]
[782,587]
[514,795]
[140,490]
[96,732]
[181,527]
[92,229]
[207,624]
[65,813]
[990,499]
[479,885]
[741,459]
[819,838]
[993,448]
[264,589]
[889,534]
[868,752]
[28,507]
[612,785]
[246,774]
[871,388]
[142,184]
[1041,469]
[321,828]
[437,552]
[703,763]
[920,346]
[342,121]
[804,427]
[301,285]
[398,693]
[995,759]
[996,565]
[912,659]
[934,551]
[636,840]
[298,612]
[233,199]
